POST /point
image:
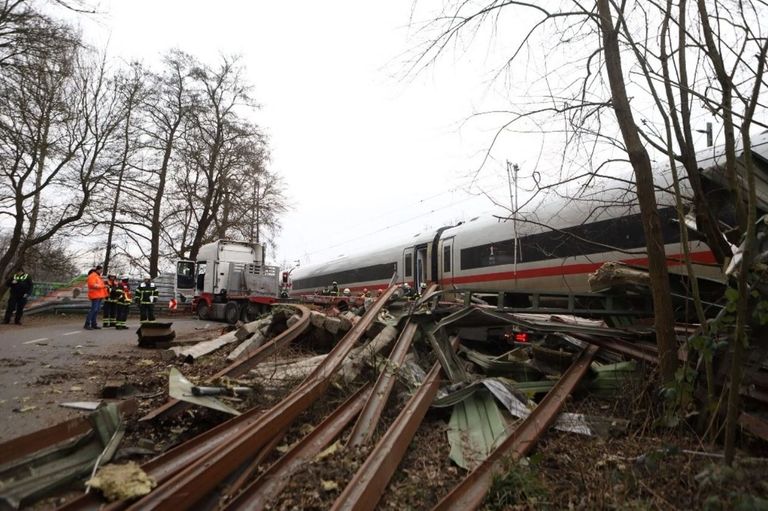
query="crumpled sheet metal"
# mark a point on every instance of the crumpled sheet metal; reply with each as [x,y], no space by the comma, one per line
[476,427]
[37,474]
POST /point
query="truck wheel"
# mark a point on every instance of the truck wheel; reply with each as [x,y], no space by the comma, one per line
[231,313]
[252,312]
[203,310]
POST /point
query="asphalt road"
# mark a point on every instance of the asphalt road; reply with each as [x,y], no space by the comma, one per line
[50,360]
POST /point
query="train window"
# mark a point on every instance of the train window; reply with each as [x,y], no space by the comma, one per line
[408,265]
[447,259]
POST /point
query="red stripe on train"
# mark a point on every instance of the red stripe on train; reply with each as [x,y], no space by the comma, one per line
[572,269]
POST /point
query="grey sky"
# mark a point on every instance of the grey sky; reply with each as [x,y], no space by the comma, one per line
[365,156]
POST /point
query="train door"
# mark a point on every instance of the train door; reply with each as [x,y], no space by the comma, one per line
[408,265]
[421,266]
[446,262]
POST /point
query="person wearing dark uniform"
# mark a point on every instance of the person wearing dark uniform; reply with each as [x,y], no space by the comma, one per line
[123,304]
[146,295]
[334,291]
[110,303]
[20,287]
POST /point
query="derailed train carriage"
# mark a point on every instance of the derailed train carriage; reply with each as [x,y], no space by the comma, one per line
[553,247]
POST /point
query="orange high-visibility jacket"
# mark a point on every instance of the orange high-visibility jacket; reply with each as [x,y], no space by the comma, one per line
[96,287]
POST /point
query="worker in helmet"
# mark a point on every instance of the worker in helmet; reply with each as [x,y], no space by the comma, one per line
[109,310]
[347,292]
[334,290]
[123,303]
[408,291]
[146,296]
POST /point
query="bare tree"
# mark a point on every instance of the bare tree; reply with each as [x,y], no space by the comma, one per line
[56,120]
[132,92]
[588,45]
[218,141]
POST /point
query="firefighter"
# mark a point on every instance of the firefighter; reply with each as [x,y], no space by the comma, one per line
[334,291]
[146,296]
[123,303]
[20,286]
[110,303]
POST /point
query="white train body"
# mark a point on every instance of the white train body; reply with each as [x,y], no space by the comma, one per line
[553,247]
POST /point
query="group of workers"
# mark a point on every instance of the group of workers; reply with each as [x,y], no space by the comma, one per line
[116,297]
[408,291]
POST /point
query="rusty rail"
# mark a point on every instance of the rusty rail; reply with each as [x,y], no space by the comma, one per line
[191,484]
[369,417]
[165,465]
[269,484]
[470,492]
[622,347]
[367,486]
[243,365]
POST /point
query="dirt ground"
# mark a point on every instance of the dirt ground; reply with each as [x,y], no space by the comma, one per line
[645,467]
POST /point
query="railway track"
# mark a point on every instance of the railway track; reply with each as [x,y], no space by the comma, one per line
[226,466]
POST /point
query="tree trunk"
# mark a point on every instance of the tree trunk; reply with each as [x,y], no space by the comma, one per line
[641,163]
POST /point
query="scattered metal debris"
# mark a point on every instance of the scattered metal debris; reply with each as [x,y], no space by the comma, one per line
[182,389]
[36,474]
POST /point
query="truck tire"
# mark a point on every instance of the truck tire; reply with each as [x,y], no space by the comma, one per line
[231,313]
[203,310]
[251,312]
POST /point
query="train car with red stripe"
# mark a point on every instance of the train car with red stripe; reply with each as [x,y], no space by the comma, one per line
[553,246]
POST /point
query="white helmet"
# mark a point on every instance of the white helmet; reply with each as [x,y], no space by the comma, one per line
[347,291]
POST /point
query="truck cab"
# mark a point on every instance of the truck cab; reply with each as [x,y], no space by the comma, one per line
[228,281]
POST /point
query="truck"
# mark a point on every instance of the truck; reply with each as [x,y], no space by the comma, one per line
[229,282]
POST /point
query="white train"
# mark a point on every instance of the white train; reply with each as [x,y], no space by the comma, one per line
[553,247]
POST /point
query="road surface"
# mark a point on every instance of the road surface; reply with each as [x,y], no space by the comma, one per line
[52,359]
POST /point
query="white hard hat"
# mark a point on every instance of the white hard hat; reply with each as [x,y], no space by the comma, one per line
[346,290]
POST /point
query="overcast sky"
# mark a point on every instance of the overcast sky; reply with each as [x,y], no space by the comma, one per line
[366,156]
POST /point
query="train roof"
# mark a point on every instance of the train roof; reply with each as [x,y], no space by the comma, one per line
[391,252]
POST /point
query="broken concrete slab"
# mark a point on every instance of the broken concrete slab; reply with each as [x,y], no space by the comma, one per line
[317,319]
[247,346]
[332,324]
[189,354]
[248,329]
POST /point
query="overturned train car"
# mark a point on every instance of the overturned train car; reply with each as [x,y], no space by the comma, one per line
[552,247]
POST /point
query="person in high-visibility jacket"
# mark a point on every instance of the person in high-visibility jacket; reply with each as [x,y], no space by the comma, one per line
[97,291]
[146,296]
[110,302]
[20,287]
[123,303]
